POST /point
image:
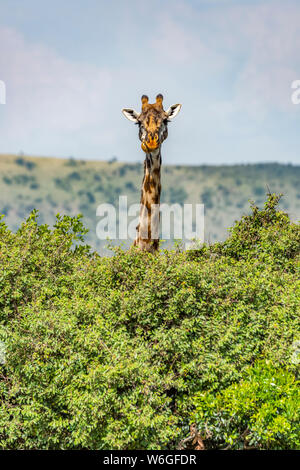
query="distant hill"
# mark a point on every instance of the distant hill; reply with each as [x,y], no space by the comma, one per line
[70,186]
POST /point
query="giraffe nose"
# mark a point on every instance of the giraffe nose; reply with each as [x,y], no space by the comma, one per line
[152,141]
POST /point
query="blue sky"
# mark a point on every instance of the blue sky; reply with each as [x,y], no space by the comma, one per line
[70,66]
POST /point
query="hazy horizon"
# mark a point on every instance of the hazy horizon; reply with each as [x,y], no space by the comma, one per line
[133,162]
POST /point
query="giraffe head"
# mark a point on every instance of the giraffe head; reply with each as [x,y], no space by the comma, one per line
[152,121]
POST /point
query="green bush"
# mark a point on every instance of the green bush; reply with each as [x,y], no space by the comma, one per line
[176,195]
[72,162]
[207,198]
[266,235]
[260,411]
[26,163]
[126,352]
[7,180]
[74,176]
[23,179]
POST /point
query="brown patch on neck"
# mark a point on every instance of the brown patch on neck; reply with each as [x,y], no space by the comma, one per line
[150,196]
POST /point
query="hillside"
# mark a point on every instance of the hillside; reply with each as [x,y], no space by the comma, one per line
[139,351]
[54,185]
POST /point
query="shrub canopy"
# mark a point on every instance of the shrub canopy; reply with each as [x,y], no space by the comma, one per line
[127,352]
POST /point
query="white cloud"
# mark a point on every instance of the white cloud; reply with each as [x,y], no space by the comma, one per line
[47,94]
[173,44]
[266,39]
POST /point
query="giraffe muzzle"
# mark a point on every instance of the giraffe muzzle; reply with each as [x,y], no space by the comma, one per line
[152,143]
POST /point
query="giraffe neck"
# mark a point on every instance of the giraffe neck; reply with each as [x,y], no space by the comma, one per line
[148,228]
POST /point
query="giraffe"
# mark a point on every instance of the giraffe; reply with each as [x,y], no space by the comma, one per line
[153,130]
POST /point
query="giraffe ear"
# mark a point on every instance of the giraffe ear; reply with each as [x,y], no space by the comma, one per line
[131,114]
[173,111]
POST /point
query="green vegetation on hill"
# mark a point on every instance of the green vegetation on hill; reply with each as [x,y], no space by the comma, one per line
[71,186]
[129,351]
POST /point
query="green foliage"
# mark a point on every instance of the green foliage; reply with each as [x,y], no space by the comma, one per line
[23,179]
[74,176]
[72,162]
[265,234]
[126,352]
[261,411]
[207,197]
[26,163]
[63,184]
[7,180]
[176,195]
